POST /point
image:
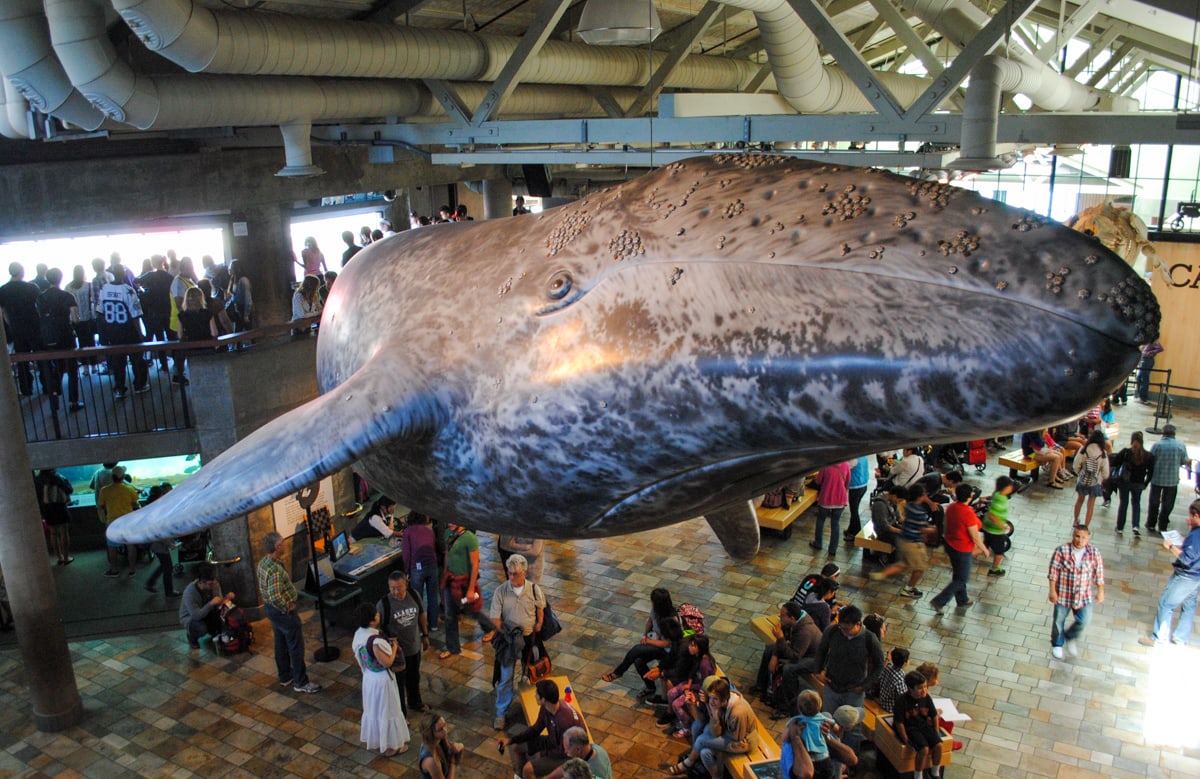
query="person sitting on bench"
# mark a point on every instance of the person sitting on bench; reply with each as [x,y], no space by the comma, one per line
[1033,446]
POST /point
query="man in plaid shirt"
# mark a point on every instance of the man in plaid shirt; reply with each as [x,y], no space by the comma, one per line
[1074,568]
[279,600]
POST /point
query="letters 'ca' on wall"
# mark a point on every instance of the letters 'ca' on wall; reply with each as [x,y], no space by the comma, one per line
[1180,301]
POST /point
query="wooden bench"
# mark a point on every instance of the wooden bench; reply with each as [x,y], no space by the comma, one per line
[901,756]
[867,539]
[780,520]
[529,704]
[764,751]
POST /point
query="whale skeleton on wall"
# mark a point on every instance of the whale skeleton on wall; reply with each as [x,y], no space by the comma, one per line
[672,347]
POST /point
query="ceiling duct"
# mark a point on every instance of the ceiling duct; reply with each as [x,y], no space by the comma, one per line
[619,22]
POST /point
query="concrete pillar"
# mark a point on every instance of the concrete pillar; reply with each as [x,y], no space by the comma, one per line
[49,674]
[497,198]
[262,240]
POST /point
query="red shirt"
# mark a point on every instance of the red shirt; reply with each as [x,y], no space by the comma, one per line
[960,517]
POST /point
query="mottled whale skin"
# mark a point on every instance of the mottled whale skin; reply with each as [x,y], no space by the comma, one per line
[672,347]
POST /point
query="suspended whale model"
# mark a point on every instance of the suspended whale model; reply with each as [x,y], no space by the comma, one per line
[674,346]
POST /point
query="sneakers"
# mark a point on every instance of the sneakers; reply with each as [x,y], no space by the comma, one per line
[815,545]
[938,607]
[996,572]
[1120,531]
[180,380]
[1057,652]
[967,605]
[500,723]
[1106,503]
[142,390]
[285,682]
[311,687]
[119,393]
[911,592]
[1137,532]
[1147,641]
[112,574]
[1072,648]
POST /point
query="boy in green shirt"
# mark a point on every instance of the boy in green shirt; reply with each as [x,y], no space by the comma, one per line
[995,524]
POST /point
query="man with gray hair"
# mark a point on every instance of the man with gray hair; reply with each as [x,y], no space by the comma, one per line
[517,609]
[577,745]
[1168,455]
[279,601]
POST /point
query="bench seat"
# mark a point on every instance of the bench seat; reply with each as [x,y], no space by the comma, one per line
[867,539]
[780,520]
[529,706]
[901,756]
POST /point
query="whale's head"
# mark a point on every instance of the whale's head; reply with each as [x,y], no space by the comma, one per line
[672,346]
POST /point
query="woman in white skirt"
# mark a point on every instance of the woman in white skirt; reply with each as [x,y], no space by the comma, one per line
[383,725]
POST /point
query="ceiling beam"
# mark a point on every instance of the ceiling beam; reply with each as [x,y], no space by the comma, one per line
[391,10]
[548,15]
[1103,70]
[979,47]
[1101,45]
[905,32]
[1082,16]
[1127,86]
[680,48]
[449,100]
[865,34]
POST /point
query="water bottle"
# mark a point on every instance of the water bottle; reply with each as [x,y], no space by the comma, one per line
[568,695]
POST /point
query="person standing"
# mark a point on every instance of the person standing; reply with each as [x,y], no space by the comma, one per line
[382,726]
[964,539]
[279,601]
[1145,367]
[851,659]
[1169,456]
[860,479]
[402,617]
[1074,568]
[54,493]
[116,500]
[833,493]
[418,545]
[58,309]
[518,607]
[18,305]
[461,592]
[120,319]
[1133,468]
[1183,588]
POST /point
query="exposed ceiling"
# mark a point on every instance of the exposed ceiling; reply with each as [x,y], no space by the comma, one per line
[511,81]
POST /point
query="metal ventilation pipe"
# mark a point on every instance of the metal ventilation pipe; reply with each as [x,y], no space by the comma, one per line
[297,148]
[14,123]
[28,59]
[980,116]
[81,42]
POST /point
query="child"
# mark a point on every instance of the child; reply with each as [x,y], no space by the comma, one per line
[995,524]
[891,679]
[916,725]
[910,542]
[807,727]
[196,324]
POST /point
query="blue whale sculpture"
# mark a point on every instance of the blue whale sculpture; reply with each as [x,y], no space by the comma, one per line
[674,346]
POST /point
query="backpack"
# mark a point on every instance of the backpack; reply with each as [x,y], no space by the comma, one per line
[692,619]
[236,634]
[1089,475]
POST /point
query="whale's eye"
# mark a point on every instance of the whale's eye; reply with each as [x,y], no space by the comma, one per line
[559,285]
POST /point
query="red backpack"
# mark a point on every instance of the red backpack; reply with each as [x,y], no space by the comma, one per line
[236,633]
[692,619]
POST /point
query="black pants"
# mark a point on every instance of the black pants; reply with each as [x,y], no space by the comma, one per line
[856,496]
[409,683]
[640,657]
[1162,502]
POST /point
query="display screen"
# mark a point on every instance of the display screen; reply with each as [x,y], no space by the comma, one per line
[339,547]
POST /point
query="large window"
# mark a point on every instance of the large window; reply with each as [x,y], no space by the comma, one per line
[65,253]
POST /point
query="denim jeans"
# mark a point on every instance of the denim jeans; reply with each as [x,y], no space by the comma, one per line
[1059,632]
[834,516]
[1162,503]
[289,645]
[1133,491]
[505,688]
[453,609]
[710,748]
[164,569]
[831,700]
[1180,591]
[960,564]
[425,584]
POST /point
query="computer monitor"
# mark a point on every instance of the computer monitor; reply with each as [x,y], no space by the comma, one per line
[324,571]
[339,547]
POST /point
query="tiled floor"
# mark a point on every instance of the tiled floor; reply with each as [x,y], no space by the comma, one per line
[153,709]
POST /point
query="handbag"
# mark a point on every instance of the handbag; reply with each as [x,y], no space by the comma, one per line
[537,667]
[551,627]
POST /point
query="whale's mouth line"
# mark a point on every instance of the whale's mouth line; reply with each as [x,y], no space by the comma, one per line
[990,292]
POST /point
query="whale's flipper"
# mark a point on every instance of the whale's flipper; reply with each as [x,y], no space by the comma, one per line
[736,527]
[378,404]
